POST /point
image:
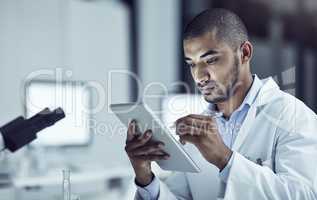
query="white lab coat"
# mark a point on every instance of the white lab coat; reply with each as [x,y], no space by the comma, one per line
[281,131]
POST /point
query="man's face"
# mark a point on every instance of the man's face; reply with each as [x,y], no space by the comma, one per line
[214,66]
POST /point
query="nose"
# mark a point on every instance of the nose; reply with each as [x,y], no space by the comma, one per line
[202,77]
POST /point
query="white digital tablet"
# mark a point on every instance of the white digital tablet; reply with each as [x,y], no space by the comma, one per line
[179,160]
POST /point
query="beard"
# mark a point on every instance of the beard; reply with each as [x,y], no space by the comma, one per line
[224,92]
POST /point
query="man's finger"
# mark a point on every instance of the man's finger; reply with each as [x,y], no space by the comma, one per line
[191,130]
[202,117]
[132,130]
[182,141]
[139,141]
[148,150]
[195,116]
[188,138]
[180,127]
[154,157]
[157,152]
[197,122]
[161,152]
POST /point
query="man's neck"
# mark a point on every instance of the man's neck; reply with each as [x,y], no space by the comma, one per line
[241,90]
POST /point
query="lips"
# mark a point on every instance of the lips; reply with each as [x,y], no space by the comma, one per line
[207,91]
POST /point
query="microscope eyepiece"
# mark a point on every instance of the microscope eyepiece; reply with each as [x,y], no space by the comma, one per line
[45,118]
[58,114]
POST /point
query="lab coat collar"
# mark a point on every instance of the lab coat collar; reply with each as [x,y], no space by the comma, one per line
[266,95]
[252,93]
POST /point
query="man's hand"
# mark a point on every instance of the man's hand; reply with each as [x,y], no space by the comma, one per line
[141,151]
[202,131]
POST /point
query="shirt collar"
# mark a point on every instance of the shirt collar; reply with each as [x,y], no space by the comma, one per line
[252,93]
[250,97]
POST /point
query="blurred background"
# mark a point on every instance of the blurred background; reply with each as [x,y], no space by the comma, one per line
[122,51]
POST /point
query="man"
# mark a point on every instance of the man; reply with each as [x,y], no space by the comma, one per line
[263,147]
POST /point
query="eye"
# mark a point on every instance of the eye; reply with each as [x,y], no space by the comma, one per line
[211,61]
[191,65]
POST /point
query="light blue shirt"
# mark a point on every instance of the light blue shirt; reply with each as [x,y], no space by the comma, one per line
[228,129]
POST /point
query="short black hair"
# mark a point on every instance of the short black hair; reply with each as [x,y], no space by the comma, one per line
[228,26]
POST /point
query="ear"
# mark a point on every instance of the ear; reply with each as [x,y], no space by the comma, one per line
[246,52]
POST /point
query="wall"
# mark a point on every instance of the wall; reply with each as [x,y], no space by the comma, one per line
[159,47]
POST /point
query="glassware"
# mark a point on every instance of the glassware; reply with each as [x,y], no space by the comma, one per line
[66,185]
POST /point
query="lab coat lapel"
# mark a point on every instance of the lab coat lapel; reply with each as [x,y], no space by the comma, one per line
[244,130]
[265,96]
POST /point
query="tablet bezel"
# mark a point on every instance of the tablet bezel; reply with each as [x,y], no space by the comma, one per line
[172,164]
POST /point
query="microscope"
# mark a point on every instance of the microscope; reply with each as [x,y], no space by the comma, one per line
[20,131]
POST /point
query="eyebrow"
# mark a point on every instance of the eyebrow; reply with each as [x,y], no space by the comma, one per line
[208,53]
